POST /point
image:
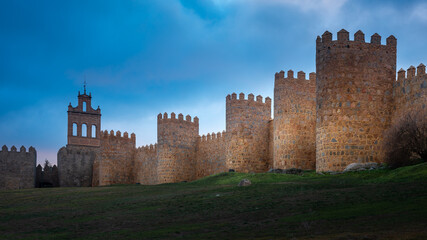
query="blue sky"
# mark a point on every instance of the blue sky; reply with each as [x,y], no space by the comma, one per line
[140,58]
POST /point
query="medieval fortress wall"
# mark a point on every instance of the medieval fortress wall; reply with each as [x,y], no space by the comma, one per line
[176,148]
[335,117]
[115,160]
[294,142]
[354,98]
[75,165]
[211,157]
[247,129]
[145,168]
[17,168]
[410,91]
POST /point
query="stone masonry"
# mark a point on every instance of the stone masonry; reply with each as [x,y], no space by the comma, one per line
[247,133]
[17,169]
[294,121]
[354,98]
[76,160]
[410,91]
[115,159]
[332,119]
[176,148]
[335,117]
[210,157]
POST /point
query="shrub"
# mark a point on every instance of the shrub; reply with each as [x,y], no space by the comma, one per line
[405,142]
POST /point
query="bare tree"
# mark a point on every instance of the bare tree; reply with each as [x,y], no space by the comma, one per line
[405,143]
[47,164]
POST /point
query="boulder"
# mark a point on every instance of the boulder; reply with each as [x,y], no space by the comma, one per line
[244,183]
[275,170]
[361,166]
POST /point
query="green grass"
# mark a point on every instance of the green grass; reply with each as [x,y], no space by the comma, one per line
[378,204]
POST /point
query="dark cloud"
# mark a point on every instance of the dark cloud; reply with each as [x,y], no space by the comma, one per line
[144,57]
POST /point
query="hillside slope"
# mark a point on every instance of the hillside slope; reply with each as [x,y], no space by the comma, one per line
[379,204]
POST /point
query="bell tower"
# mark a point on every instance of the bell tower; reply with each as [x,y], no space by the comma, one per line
[84,122]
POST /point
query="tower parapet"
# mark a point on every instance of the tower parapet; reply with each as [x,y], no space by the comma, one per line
[107,136]
[294,123]
[176,147]
[247,133]
[211,154]
[410,91]
[17,168]
[354,98]
[146,165]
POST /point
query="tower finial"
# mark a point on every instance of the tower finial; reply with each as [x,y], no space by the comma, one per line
[84,86]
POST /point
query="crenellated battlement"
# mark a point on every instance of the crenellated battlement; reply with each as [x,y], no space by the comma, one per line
[251,98]
[323,120]
[164,118]
[413,78]
[21,150]
[220,136]
[411,72]
[409,91]
[17,168]
[359,37]
[280,78]
[147,148]
[105,134]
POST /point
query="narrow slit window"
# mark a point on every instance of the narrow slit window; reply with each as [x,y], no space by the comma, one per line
[84,106]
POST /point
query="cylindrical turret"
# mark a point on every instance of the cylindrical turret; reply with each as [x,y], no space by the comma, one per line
[176,148]
[294,121]
[247,133]
[354,98]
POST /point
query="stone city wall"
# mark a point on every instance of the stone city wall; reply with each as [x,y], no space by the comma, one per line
[146,165]
[17,169]
[354,98]
[294,121]
[211,154]
[410,91]
[115,160]
[176,148]
[335,118]
[75,165]
[271,144]
[247,128]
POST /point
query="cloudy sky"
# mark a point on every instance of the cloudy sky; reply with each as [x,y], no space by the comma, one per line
[140,58]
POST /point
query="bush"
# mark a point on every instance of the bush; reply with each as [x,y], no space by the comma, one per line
[405,143]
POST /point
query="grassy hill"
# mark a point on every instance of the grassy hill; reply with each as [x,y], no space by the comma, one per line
[378,204]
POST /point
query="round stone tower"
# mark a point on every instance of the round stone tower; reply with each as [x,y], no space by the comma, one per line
[176,148]
[247,126]
[294,121]
[354,98]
